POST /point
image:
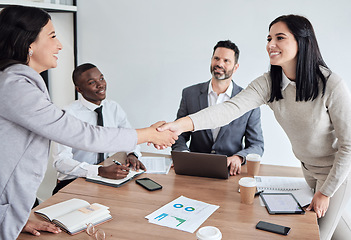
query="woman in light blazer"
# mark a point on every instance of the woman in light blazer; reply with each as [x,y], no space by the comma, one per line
[29,120]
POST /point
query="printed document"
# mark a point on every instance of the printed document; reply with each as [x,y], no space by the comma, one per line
[160,165]
[182,213]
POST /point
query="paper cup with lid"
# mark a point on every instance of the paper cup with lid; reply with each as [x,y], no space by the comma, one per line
[247,189]
[209,233]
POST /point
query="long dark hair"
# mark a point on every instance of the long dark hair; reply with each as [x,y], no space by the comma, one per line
[309,61]
[19,28]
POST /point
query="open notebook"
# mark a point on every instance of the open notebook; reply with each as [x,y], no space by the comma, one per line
[115,182]
[73,215]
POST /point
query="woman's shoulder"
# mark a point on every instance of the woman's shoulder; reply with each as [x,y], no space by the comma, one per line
[336,86]
[333,79]
[17,72]
[21,71]
[265,77]
[263,82]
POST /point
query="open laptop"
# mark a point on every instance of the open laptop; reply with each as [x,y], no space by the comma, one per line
[200,164]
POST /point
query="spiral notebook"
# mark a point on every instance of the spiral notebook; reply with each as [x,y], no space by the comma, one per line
[295,185]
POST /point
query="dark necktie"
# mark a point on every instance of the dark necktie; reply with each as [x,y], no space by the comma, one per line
[100,122]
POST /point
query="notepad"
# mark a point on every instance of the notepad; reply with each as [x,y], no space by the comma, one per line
[295,185]
[115,182]
[73,215]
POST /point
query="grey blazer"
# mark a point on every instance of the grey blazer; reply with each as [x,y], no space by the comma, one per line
[28,121]
[230,137]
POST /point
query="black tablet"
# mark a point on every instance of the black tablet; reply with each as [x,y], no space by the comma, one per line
[281,203]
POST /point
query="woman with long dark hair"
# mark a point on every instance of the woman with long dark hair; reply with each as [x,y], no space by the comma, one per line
[29,120]
[310,102]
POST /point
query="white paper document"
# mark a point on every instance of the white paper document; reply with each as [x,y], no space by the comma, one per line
[159,165]
[182,213]
[297,186]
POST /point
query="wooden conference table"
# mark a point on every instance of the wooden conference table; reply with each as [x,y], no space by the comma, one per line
[130,203]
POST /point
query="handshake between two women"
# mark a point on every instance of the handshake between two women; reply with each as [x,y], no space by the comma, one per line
[163,134]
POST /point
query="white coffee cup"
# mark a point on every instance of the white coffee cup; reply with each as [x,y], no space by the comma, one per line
[247,189]
[209,233]
[253,162]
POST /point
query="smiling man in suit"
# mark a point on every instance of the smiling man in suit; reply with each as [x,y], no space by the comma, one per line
[235,140]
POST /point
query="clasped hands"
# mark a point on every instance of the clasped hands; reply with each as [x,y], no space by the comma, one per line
[162,135]
[169,132]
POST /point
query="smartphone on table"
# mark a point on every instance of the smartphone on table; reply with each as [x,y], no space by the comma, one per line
[148,184]
[271,227]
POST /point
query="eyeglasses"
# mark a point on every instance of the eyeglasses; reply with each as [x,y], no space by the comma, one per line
[98,234]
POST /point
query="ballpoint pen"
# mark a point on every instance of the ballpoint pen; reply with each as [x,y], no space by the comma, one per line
[119,164]
[258,193]
[115,161]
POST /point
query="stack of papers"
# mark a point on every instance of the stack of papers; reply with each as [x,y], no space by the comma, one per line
[158,165]
[182,213]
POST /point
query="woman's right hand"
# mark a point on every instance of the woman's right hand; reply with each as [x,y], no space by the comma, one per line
[160,139]
[164,138]
[179,126]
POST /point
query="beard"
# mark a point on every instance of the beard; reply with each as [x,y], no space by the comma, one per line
[221,76]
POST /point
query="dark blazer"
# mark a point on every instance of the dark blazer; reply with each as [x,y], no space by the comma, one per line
[230,137]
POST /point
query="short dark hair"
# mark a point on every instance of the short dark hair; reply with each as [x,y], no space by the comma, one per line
[19,28]
[79,70]
[309,61]
[230,45]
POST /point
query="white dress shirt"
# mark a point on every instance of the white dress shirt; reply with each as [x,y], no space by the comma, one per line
[214,99]
[286,81]
[72,163]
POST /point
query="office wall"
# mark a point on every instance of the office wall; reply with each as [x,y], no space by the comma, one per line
[150,50]
[61,87]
